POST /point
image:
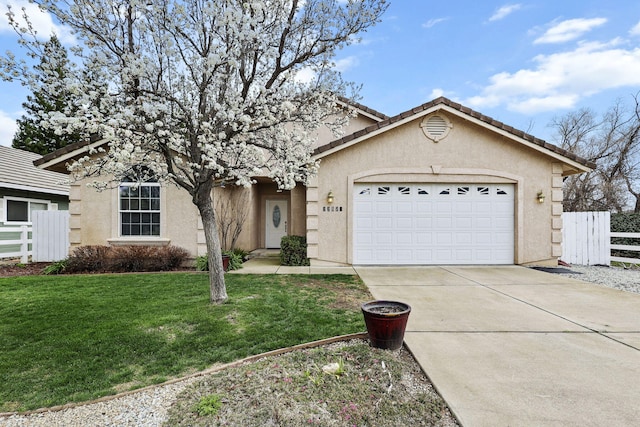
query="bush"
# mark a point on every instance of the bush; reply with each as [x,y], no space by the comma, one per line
[120,259]
[57,267]
[236,258]
[293,251]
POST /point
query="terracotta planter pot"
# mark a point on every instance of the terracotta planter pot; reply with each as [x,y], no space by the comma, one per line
[386,322]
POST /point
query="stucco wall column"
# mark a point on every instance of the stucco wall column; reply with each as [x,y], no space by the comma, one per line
[312,219]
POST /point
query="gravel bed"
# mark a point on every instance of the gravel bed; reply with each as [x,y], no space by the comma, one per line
[146,408]
[625,279]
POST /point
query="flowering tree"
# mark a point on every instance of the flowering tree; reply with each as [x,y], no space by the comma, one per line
[203,92]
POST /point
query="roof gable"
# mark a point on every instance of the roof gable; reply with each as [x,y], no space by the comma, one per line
[17,171]
[578,164]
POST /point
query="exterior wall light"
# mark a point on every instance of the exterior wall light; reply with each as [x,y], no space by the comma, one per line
[330,197]
[540,197]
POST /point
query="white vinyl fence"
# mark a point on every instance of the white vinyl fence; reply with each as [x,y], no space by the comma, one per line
[50,235]
[586,238]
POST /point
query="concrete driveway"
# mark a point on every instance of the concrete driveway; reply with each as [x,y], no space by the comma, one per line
[512,346]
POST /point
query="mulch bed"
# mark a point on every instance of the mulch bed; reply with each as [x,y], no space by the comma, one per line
[30,269]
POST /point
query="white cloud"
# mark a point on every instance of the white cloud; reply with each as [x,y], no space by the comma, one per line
[635,31]
[305,75]
[568,30]
[504,11]
[42,22]
[561,80]
[8,128]
[436,93]
[431,22]
[345,64]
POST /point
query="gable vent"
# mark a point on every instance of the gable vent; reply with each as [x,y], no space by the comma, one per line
[435,127]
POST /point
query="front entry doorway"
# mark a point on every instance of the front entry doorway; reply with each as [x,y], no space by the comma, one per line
[276,222]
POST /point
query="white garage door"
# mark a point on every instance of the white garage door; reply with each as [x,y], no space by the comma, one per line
[433,224]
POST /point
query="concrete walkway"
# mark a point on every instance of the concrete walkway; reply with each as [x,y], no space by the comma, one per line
[512,346]
[271,265]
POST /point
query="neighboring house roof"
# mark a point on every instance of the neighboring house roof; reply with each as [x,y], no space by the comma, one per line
[578,164]
[17,172]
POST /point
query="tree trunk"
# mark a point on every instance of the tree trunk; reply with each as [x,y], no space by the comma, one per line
[204,202]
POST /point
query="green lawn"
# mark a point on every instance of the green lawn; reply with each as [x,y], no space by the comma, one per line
[74,338]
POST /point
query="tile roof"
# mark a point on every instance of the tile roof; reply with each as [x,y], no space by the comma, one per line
[364,108]
[465,110]
[17,171]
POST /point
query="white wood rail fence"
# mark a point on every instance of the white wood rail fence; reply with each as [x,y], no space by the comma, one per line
[12,247]
[633,248]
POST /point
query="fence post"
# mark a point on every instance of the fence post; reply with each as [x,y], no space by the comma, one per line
[24,244]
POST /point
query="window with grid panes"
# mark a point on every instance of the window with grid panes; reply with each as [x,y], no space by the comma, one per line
[139,208]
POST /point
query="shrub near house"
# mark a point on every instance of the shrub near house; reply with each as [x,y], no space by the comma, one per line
[293,251]
[120,259]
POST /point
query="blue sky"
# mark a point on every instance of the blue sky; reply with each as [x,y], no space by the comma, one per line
[520,62]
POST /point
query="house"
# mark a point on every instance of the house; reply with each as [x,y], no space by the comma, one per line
[438,184]
[24,188]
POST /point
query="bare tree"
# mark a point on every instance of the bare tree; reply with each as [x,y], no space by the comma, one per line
[231,214]
[204,92]
[613,143]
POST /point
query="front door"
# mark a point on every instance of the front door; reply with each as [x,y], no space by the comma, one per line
[276,226]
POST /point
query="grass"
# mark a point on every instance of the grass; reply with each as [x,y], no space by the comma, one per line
[75,338]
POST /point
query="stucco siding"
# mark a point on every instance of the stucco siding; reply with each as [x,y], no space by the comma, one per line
[468,154]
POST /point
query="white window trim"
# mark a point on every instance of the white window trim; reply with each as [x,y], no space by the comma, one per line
[128,237]
[5,207]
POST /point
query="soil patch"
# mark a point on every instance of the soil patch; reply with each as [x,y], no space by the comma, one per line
[342,384]
[17,269]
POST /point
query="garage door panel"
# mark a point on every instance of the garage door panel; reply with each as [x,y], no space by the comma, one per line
[364,206]
[365,238]
[464,256]
[443,222]
[464,238]
[465,222]
[484,256]
[404,239]
[423,256]
[383,238]
[364,223]
[503,238]
[404,223]
[423,223]
[483,223]
[444,238]
[483,239]
[384,223]
[424,207]
[433,223]
[444,208]
[423,239]
[404,207]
